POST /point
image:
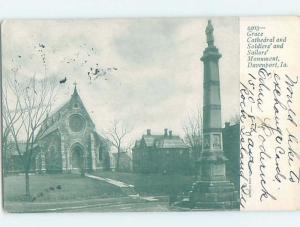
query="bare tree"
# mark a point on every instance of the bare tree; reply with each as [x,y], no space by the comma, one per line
[26,104]
[235,119]
[192,128]
[116,136]
[6,133]
[5,147]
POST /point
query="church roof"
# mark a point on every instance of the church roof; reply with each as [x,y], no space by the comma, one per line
[100,138]
[50,124]
[49,130]
[59,108]
[12,148]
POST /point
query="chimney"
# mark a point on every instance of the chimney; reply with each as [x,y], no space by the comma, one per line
[227,124]
[170,133]
[166,132]
[148,132]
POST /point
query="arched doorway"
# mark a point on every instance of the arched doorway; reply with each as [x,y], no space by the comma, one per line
[77,159]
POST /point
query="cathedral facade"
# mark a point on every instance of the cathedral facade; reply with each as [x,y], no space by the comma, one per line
[68,141]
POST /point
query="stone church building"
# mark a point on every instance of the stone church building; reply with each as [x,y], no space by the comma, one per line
[68,141]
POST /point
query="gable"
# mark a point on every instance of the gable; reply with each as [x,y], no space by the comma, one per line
[74,106]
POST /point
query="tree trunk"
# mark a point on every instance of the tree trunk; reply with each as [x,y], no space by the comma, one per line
[27,185]
[118,160]
[5,156]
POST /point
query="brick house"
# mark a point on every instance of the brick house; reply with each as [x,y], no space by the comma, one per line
[166,153]
[231,147]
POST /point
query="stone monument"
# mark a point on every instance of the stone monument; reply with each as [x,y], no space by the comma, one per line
[212,190]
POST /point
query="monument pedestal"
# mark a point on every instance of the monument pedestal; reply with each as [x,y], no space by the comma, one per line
[213,190]
[213,195]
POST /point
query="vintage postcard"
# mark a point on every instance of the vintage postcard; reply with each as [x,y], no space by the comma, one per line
[150,114]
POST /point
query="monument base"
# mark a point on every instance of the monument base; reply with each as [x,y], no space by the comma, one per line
[211,195]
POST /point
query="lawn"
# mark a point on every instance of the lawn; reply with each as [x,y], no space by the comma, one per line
[57,187]
[153,184]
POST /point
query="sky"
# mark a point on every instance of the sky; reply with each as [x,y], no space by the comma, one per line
[153,73]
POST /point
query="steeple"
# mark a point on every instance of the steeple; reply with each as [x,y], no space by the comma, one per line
[75,89]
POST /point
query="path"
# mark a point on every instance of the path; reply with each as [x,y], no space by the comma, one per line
[110,181]
[128,189]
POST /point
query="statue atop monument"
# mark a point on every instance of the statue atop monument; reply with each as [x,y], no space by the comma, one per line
[209,34]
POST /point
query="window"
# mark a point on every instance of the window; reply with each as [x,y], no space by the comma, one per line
[76,123]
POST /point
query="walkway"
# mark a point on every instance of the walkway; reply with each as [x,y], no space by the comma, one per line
[110,181]
[128,189]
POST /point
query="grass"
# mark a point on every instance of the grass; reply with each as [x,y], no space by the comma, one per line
[153,184]
[57,187]
[45,188]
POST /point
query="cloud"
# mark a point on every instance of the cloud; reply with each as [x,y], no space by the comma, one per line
[148,41]
[159,76]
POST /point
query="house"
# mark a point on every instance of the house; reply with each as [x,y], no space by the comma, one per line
[166,153]
[231,148]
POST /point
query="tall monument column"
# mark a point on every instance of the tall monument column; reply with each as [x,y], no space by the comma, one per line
[212,190]
[212,157]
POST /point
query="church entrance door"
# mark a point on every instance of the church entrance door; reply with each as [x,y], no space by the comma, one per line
[77,159]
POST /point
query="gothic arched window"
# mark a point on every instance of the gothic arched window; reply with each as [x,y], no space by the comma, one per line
[76,122]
